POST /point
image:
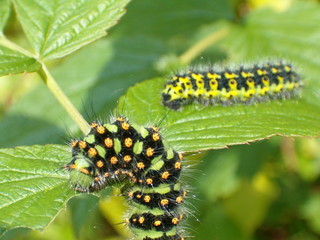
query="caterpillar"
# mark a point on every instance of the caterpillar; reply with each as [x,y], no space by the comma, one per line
[121,152]
[228,86]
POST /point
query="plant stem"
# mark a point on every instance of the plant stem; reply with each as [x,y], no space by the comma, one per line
[7,43]
[64,101]
[52,85]
[200,46]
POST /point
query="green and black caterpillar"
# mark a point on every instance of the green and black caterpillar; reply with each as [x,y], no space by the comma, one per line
[228,86]
[121,152]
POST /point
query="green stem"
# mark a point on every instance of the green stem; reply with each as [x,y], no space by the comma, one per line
[7,43]
[203,44]
[52,85]
[64,101]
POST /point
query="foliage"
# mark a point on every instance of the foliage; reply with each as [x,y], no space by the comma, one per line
[267,190]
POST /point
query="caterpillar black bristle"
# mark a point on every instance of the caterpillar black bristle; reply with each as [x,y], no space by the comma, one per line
[120,152]
[244,84]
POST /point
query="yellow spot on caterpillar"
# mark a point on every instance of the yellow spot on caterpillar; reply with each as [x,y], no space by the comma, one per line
[96,179]
[147,198]
[100,164]
[250,82]
[92,151]
[108,142]
[157,223]
[130,194]
[287,68]
[233,92]
[101,129]
[127,158]
[106,175]
[280,79]
[138,196]
[247,74]
[180,156]
[113,160]
[164,202]
[197,76]
[82,144]
[266,80]
[274,70]
[93,125]
[262,72]
[140,165]
[213,76]
[231,75]
[150,152]
[128,142]
[165,175]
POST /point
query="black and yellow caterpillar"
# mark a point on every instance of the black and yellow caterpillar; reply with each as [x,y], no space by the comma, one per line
[120,152]
[245,84]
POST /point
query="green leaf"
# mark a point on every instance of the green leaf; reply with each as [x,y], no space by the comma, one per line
[33,184]
[198,127]
[4,13]
[57,28]
[13,62]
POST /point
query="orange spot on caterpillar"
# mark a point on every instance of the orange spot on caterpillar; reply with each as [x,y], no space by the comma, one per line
[147,199]
[74,143]
[149,181]
[108,142]
[127,158]
[141,220]
[175,221]
[140,165]
[128,142]
[165,175]
[100,164]
[101,129]
[84,171]
[92,151]
[125,125]
[82,144]
[157,223]
[164,202]
[156,137]
[150,152]
[114,160]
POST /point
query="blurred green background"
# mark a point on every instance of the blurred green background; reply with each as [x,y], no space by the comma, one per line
[265,190]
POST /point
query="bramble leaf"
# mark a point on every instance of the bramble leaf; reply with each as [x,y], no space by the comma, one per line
[198,128]
[57,28]
[13,62]
[4,13]
[33,186]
